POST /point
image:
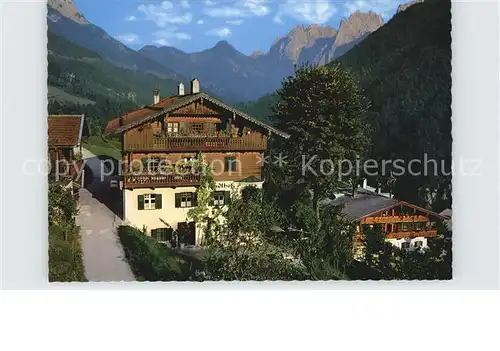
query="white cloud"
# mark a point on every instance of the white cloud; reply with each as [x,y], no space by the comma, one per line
[220,32]
[311,11]
[208,2]
[185,4]
[224,11]
[166,35]
[277,18]
[240,8]
[128,38]
[164,14]
[161,42]
[131,18]
[257,7]
[199,22]
[235,22]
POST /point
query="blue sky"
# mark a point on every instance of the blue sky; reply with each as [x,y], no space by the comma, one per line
[195,25]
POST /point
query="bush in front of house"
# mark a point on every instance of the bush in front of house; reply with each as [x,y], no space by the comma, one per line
[65,248]
[151,260]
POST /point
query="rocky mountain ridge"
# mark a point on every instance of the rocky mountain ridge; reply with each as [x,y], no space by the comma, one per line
[68,9]
[221,69]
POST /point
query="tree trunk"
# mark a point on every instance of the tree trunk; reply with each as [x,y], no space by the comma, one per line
[315,203]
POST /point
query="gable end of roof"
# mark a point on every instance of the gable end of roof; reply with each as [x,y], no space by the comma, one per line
[181,102]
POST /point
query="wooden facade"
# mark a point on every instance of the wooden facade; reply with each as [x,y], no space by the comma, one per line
[65,134]
[183,134]
[401,221]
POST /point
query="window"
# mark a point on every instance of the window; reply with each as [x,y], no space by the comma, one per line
[184,200]
[149,202]
[173,127]
[230,163]
[197,127]
[152,164]
[405,245]
[162,234]
[418,244]
[405,227]
[221,198]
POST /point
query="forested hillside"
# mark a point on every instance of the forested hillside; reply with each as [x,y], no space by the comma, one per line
[405,71]
[81,81]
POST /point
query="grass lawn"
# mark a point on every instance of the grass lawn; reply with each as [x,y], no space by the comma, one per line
[103,148]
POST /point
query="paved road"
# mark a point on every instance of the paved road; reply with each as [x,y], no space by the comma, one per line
[102,252]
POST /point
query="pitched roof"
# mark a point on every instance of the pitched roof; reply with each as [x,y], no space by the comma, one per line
[171,103]
[364,203]
[140,115]
[65,130]
[367,202]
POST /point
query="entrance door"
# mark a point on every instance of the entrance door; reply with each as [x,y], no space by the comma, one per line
[187,233]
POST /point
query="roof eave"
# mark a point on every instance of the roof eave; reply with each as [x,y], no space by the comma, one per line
[79,142]
[173,106]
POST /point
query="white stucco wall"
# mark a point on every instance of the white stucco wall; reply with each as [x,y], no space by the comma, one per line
[168,214]
[158,217]
[399,242]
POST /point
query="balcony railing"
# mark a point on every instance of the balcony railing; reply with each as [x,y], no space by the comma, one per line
[394,219]
[426,233]
[150,142]
[412,234]
[160,180]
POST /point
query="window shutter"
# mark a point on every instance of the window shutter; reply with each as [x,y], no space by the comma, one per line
[195,199]
[182,127]
[226,164]
[140,201]
[178,200]
[158,201]
[227,197]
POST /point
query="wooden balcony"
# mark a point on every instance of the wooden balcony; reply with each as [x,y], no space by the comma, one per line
[131,181]
[147,142]
[412,234]
[426,233]
[394,219]
[66,169]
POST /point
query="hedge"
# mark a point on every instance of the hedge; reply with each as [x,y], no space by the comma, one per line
[65,255]
[153,261]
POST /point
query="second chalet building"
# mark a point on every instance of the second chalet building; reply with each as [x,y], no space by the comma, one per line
[176,131]
[404,225]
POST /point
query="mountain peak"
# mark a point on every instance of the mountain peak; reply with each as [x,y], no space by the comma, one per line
[67,9]
[256,53]
[357,25]
[302,37]
[223,44]
[403,7]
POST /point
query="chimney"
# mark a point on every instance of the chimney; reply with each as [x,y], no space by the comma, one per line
[180,89]
[195,86]
[156,96]
[365,183]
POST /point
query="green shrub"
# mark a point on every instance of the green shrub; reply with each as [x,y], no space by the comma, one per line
[65,255]
[153,261]
[65,249]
